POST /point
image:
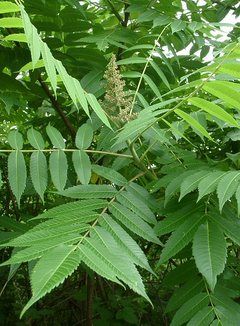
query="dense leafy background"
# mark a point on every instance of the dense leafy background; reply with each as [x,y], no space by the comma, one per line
[120,133]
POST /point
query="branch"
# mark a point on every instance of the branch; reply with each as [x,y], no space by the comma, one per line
[115,12]
[58,108]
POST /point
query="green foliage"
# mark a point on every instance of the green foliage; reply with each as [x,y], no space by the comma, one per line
[120,139]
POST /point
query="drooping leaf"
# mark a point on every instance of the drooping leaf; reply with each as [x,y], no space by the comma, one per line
[17,174]
[210,252]
[58,168]
[39,172]
[82,165]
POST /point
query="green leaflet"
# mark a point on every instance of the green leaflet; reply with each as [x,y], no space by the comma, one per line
[184,293]
[230,228]
[191,182]
[153,86]
[58,168]
[132,202]
[55,137]
[39,172]
[193,123]
[190,308]
[209,184]
[17,174]
[127,244]
[33,39]
[113,264]
[84,136]
[7,7]
[214,110]
[210,252]
[21,37]
[176,219]
[237,194]
[133,222]
[109,174]
[56,266]
[227,187]
[131,61]
[11,22]
[82,166]
[35,139]
[49,65]
[37,250]
[15,139]
[222,90]
[226,308]
[98,109]
[73,208]
[90,191]
[174,186]
[203,317]
[160,74]
[42,235]
[10,224]
[181,237]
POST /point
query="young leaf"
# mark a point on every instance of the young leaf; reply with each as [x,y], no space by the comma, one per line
[55,137]
[227,187]
[39,172]
[58,168]
[84,136]
[17,174]
[35,139]
[82,165]
[51,270]
[210,252]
